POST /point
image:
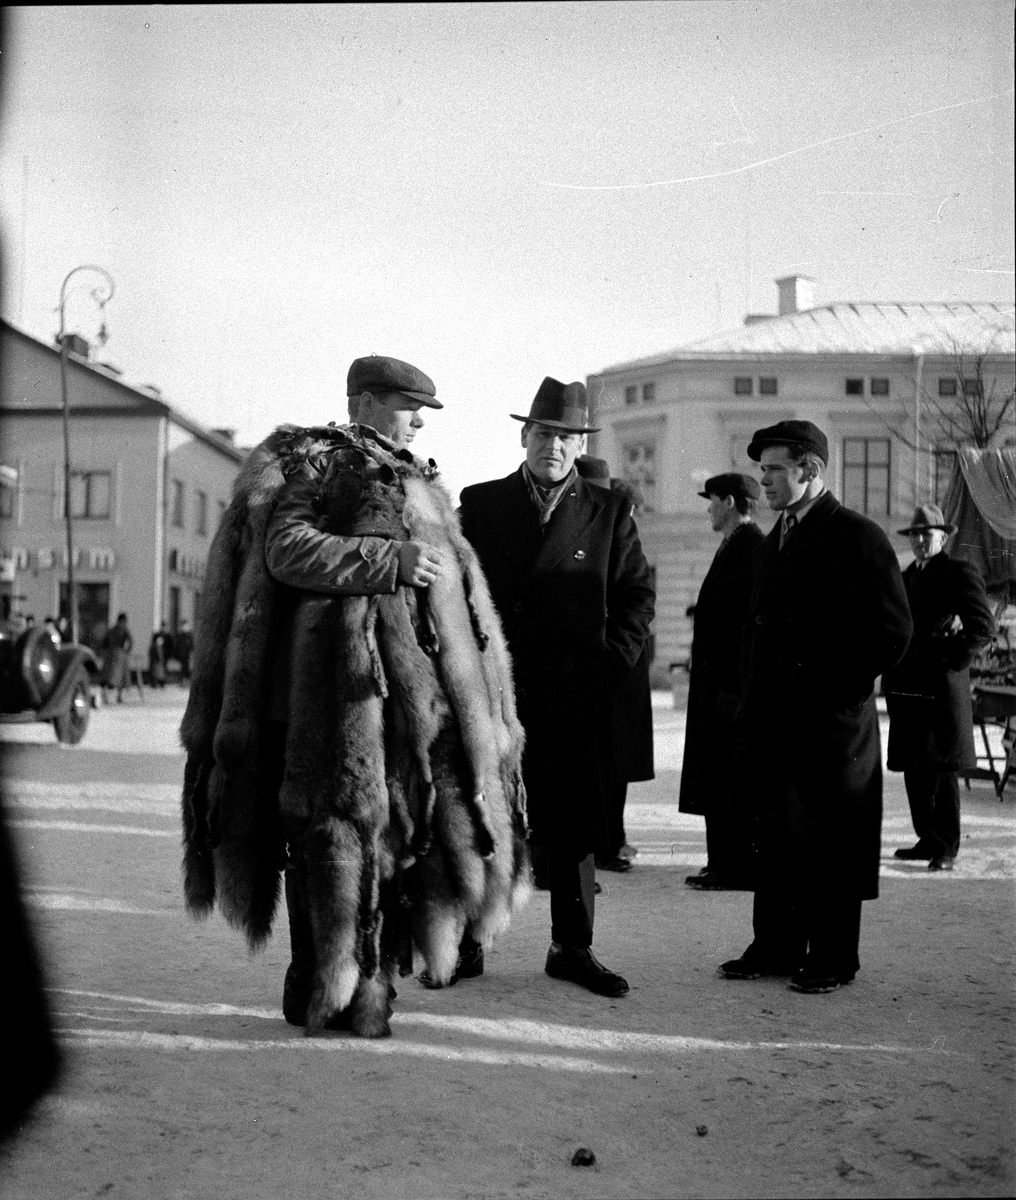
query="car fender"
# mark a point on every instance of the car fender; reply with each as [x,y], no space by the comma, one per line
[72,659]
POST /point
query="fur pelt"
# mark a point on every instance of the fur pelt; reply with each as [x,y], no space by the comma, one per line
[403,750]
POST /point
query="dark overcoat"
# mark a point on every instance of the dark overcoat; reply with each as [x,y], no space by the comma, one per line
[632,749]
[714,690]
[829,615]
[576,600]
[928,694]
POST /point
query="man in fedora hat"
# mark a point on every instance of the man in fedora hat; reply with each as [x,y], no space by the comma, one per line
[350,719]
[828,616]
[568,576]
[714,691]
[931,734]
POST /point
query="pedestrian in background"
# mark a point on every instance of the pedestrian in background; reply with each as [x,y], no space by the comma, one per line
[574,591]
[159,650]
[183,645]
[931,730]
[829,615]
[714,688]
[116,657]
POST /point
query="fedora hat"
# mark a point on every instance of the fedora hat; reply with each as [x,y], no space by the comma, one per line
[561,406]
[928,516]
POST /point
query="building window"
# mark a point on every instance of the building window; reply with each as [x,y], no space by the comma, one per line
[866,475]
[854,387]
[631,394]
[177,517]
[879,387]
[90,494]
[742,385]
[972,387]
[649,393]
[945,465]
[947,387]
[201,524]
[767,385]
[640,469]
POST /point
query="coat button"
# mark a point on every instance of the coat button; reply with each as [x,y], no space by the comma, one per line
[568,664]
[518,605]
[572,609]
[580,554]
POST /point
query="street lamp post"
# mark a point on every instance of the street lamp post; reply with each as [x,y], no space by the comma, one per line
[102,298]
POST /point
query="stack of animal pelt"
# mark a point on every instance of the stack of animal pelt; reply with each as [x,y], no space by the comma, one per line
[403,751]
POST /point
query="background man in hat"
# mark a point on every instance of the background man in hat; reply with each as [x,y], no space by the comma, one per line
[931,734]
[829,615]
[631,748]
[714,691]
[572,585]
[328,721]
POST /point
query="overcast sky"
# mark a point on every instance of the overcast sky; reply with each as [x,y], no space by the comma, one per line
[494,192]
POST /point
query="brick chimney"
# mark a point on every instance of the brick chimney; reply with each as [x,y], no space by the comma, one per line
[797,293]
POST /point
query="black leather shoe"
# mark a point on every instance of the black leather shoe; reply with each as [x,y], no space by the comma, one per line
[716,883]
[942,862]
[913,853]
[469,966]
[618,864]
[751,967]
[578,965]
[819,985]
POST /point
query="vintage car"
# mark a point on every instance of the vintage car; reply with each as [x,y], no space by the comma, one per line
[43,681]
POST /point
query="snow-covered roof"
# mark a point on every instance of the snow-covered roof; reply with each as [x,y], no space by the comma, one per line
[867,327]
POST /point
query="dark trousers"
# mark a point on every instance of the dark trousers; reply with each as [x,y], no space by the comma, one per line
[729,851]
[935,809]
[572,897]
[804,931]
[616,796]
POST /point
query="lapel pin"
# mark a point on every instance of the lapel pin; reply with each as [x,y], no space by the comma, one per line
[580,554]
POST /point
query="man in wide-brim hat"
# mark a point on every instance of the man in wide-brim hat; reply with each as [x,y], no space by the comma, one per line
[568,576]
[931,735]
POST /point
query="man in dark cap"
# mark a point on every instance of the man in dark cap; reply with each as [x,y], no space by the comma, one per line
[573,588]
[351,715]
[714,691]
[829,615]
[931,735]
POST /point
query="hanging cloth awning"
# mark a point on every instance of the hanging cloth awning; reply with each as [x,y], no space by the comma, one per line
[982,502]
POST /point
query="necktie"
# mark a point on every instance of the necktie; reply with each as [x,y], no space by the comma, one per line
[789,525]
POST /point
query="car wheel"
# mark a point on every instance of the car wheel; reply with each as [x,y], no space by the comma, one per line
[71,725]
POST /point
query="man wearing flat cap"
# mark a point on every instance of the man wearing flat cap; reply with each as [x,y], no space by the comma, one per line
[931,730]
[714,691]
[829,615]
[351,718]
[573,588]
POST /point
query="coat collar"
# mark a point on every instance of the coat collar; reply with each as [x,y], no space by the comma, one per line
[577,510]
[776,562]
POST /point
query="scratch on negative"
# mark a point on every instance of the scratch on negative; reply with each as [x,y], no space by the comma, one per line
[764,162]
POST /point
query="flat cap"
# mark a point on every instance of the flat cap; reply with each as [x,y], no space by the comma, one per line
[784,433]
[741,487]
[377,373]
